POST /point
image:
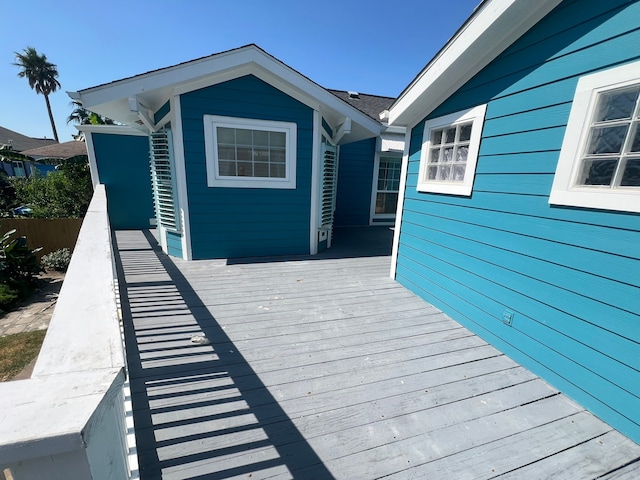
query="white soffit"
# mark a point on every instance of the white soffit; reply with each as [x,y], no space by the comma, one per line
[493,27]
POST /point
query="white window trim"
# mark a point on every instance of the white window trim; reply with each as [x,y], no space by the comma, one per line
[210,140]
[381,218]
[564,191]
[453,188]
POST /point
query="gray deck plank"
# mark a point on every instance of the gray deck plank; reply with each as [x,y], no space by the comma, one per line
[325,368]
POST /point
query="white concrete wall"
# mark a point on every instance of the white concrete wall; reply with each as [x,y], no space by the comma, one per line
[67,421]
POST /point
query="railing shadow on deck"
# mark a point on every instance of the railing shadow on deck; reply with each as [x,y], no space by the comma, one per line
[209,415]
[348,242]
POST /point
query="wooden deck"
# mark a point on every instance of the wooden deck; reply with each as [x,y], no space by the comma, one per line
[325,368]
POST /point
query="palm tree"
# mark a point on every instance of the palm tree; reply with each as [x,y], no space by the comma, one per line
[42,76]
[81,116]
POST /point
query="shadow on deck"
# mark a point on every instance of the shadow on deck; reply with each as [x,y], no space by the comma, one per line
[198,408]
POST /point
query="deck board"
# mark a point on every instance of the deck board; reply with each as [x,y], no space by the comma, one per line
[325,368]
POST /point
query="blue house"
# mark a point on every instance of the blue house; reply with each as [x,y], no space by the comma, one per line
[246,156]
[520,194]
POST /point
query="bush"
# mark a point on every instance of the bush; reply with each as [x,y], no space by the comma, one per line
[18,266]
[58,260]
[65,193]
[8,297]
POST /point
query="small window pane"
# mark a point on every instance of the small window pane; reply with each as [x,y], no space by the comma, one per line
[635,141]
[245,169]
[226,135]
[435,155]
[226,152]
[432,173]
[277,170]
[278,139]
[260,138]
[458,173]
[261,169]
[244,153]
[598,172]
[261,154]
[607,140]
[465,132]
[444,173]
[617,105]
[450,135]
[447,155]
[278,155]
[244,137]
[436,137]
[462,154]
[631,175]
[227,169]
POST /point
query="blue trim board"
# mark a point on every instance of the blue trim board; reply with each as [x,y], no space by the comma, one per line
[123,167]
[242,222]
[569,275]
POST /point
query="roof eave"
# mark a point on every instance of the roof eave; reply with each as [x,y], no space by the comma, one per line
[111,99]
[493,27]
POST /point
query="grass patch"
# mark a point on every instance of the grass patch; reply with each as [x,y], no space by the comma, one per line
[16,351]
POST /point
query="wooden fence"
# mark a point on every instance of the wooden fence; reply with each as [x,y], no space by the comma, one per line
[50,234]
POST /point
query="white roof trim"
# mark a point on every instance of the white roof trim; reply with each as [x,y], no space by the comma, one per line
[494,26]
[111,129]
[217,68]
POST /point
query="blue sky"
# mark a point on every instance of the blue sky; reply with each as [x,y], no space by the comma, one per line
[363,45]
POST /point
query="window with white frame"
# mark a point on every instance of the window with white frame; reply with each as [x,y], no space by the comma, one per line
[248,153]
[450,152]
[387,184]
[599,163]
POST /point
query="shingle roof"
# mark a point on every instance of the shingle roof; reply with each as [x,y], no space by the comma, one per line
[370,105]
[21,142]
[59,150]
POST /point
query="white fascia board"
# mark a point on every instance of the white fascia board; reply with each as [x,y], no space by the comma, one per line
[490,30]
[111,129]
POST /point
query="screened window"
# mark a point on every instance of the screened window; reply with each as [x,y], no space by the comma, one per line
[250,153]
[599,163]
[450,152]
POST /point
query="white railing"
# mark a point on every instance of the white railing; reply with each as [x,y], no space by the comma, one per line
[68,420]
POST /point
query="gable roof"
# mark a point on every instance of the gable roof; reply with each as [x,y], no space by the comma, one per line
[63,150]
[20,142]
[122,100]
[493,26]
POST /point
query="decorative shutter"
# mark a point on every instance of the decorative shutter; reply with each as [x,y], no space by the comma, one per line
[329,182]
[163,179]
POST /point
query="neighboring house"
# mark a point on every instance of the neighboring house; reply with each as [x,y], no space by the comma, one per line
[16,142]
[58,151]
[244,156]
[520,209]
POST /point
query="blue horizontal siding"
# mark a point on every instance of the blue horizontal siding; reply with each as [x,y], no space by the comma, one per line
[355,177]
[242,222]
[174,244]
[123,167]
[571,275]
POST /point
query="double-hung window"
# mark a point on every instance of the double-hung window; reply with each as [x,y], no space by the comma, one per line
[248,153]
[387,184]
[599,163]
[450,152]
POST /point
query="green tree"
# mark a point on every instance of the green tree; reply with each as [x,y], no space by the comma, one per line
[42,76]
[65,193]
[82,116]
